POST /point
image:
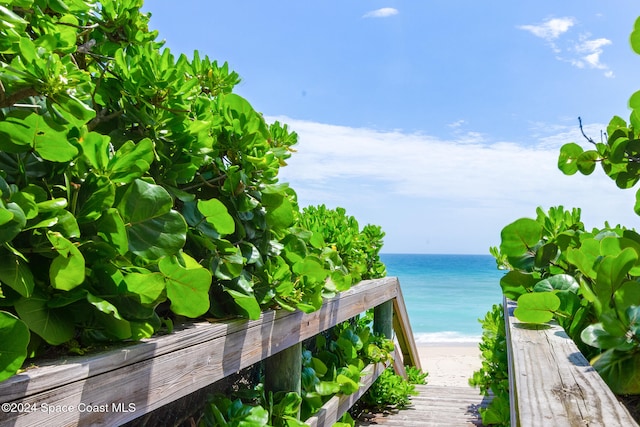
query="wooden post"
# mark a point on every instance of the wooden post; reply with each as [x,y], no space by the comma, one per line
[383,319]
[283,370]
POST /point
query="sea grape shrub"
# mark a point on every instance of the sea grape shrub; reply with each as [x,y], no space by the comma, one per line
[136,187]
[331,364]
[358,249]
[619,156]
[335,362]
[587,280]
[493,378]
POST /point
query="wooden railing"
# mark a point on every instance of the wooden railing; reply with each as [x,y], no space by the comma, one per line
[121,385]
[552,384]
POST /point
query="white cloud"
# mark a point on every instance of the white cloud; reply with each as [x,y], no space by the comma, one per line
[589,52]
[469,181]
[384,12]
[583,53]
[551,29]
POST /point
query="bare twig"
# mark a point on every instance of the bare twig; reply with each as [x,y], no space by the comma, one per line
[583,134]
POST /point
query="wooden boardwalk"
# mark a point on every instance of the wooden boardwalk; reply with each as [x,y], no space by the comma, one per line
[436,406]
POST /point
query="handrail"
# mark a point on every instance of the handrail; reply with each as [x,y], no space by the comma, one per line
[159,370]
[551,383]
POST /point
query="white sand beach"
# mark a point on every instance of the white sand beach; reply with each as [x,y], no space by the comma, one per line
[449,364]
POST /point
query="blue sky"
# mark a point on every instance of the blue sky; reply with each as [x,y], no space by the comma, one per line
[439,120]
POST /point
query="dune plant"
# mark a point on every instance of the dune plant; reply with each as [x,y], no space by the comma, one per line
[588,280]
[136,187]
[331,365]
[492,378]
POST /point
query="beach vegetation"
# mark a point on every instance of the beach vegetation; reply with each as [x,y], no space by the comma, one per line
[332,364]
[138,190]
[493,376]
[585,279]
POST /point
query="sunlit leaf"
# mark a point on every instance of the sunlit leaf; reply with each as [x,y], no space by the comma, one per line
[216,214]
[14,338]
[568,159]
[67,269]
[519,237]
[153,228]
[537,307]
[187,287]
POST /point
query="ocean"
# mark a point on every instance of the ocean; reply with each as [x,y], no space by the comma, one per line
[445,295]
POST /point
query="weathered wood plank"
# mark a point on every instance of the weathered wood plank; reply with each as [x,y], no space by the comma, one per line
[553,382]
[153,373]
[442,406]
[404,333]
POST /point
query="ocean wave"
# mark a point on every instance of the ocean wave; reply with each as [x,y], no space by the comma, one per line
[445,337]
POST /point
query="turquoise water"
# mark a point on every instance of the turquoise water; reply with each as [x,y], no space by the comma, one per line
[445,295]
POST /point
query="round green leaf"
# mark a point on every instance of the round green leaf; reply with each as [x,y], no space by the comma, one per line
[54,326]
[568,159]
[153,228]
[67,269]
[587,162]
[216,214]
[147,286]
[537,307]
[516,283]
[14,339]
[596,336]
[559,282]
[187,287]
[519,237]
[620,370]
[635,37]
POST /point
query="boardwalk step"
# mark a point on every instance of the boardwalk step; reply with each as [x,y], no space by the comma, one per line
[436,406]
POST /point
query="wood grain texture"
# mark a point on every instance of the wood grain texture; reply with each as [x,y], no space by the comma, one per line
[552,383]
[157,371]
[436,406]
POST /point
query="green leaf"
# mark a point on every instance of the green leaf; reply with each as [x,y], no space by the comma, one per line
[15,223]
[97,194]
[596,336]
[559,282]
[627,295]
[14,339]
[620,370]
[537,307]
[19,133]
[216,214]
[587,162]
[519,237]
[75,107]
[131,161]
[280,212]
[568,159]
[112,230]
[109,317]
[148,287]
[247,303]
[95,148]
[53,325]
[312,268]
[611,272]
[634,39]
[15,273]
[67,269]
[187,286]
[154,230]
